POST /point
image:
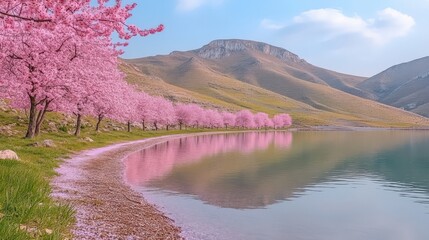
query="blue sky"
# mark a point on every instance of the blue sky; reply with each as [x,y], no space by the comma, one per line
[361,37]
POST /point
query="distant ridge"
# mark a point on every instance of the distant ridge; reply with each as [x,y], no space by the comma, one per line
[405,86]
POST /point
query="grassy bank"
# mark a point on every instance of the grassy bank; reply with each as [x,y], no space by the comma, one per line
[26,209]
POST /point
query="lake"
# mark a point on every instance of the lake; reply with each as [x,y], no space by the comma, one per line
[290,185]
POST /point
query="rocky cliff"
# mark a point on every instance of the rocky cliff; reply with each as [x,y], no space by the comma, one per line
[224,48]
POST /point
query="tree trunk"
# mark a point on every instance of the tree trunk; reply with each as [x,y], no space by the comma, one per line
[129,126]
[41,117]
[39,120]
[180,126]
[143,126]
[156,126]
[167,127]
[100,118]
[78,124]
[32,118]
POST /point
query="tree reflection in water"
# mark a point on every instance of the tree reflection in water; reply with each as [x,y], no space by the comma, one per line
[253,170]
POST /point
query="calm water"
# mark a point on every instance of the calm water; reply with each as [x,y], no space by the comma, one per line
[280,185]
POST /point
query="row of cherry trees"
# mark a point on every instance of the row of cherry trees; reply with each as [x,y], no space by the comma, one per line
[59,56]
[158,112]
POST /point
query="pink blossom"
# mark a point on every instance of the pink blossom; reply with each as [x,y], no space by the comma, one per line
[244,119]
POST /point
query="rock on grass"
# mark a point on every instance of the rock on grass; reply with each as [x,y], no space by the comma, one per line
[8,154]
[45,143]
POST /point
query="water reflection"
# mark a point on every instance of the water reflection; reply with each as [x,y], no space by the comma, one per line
[154,162]
[253,170]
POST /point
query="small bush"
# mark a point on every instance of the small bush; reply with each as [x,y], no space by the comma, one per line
[63,128]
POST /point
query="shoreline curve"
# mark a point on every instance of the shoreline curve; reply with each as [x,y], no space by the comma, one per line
[92,182]
[106,207]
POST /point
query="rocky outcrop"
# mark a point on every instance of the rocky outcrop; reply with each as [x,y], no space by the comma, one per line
[3,106]
[223,48]
[8,130]
[8,154]
[88,139]
[45,143]
[52,127]
[48,143]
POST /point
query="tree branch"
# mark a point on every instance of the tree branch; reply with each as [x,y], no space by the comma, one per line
[25,18]
[75,53]
[62,44]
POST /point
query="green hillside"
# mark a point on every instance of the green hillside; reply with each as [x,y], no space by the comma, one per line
[235,76]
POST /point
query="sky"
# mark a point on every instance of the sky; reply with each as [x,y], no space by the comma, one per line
[360,37]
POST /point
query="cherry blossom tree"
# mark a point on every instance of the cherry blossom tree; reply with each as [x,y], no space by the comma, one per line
[164,114]
[287,120]
[269,123]
[185,114]
[282,120]
[277,122]
[93,82]
[129,111]
[262,120]
[104,105]
[146,109]
[244,119]
[37,65]
[258,119]
[198,115]
[228,119]
[42,43]
[213,119]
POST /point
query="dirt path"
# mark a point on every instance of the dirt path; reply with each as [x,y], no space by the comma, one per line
[106,208]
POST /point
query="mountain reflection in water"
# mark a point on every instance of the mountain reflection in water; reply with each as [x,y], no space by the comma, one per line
[253,170]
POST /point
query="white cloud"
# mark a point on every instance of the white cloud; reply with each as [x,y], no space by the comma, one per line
[330,24]
[189,5]
[269,24]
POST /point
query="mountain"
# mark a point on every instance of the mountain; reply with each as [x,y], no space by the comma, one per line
[241,59]
[237,74]
[404,86]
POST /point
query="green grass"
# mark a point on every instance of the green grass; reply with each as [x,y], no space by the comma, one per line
[26,209]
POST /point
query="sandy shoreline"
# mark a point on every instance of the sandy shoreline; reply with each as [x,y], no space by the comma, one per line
[106,207]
